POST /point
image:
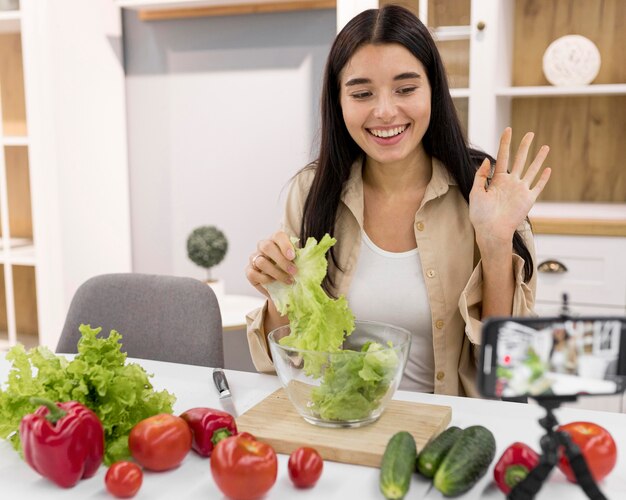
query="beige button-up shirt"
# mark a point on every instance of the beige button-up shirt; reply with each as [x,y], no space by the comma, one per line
[450,262]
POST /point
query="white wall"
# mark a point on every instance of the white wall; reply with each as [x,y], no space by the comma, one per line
[222,111]
[77,149]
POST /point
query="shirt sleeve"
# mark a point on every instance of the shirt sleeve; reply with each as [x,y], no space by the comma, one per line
[255,320]
[257,340]
[470,302]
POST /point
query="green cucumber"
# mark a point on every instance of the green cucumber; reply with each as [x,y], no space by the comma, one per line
[398,465]
[466,462]
[436,449]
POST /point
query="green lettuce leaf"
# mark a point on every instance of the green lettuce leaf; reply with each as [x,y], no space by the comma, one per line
[318,322]
[98,377]
[353,385]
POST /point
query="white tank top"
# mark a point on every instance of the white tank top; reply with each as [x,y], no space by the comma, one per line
[389,287]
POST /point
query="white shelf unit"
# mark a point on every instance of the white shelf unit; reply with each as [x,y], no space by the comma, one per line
[548,91]
[460,93]
[75,152]
[15,141]
[13,251]
[450,33]
[10,21]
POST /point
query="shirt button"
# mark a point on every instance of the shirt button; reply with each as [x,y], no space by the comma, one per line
[440,375]
[439,324]
[431,273]
[420,226]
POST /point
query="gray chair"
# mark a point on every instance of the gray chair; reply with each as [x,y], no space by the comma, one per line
[165,318]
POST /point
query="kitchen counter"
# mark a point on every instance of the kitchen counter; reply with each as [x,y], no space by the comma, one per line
[193,387]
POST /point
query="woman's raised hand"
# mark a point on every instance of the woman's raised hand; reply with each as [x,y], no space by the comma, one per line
[272,260]
[497,208]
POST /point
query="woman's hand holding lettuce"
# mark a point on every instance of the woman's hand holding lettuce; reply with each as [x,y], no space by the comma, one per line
[352,384]
[317,322]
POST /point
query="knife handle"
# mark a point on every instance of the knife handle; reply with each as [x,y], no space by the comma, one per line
[220,380]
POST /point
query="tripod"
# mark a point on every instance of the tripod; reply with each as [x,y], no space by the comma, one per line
[532,483]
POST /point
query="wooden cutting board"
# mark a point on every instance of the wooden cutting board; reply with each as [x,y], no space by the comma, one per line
[276,422]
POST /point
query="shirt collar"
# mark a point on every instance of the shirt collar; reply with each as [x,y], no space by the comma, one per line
[352,195]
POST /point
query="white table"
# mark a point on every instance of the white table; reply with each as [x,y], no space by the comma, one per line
[234,309]
[192,480]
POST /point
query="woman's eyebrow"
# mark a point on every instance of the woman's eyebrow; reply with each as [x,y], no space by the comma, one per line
[408,75]
[357,81]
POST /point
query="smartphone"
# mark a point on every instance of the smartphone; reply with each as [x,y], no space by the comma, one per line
[552,357]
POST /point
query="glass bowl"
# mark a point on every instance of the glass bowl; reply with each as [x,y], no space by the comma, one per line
[347,388]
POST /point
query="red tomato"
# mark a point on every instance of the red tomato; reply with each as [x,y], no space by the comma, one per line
[247,435]
[596,445]
[305,467]
[243,468]
[123,479]
[160,442]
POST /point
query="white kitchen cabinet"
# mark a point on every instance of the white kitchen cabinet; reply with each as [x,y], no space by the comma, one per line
[590,269]
[64,211]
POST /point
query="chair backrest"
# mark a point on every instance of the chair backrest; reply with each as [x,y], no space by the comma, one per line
[165,318]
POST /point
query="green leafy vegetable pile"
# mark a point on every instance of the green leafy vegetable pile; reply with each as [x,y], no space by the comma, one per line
[120,394]
[352,384]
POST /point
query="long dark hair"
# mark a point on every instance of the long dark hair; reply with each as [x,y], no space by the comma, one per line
[444,138]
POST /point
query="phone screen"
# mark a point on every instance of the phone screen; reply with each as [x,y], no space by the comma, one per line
[552,357]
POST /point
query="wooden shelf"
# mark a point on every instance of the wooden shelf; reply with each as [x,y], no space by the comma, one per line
[10,21]
[160,10]
[550,91]
[580,219]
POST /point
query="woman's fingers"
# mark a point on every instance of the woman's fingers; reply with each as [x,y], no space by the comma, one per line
[272,261]
[536,164]
[502,161]
[279,250]
[522,154]
[284,243]
[482,175]
[541,183]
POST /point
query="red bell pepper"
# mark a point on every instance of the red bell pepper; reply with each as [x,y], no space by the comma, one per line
[514,465]
[208,428]
[62,442]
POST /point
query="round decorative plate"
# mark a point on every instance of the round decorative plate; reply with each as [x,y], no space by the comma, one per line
[571,60]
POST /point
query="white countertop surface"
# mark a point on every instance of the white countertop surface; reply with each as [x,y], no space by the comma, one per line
[235,307]
[193,386]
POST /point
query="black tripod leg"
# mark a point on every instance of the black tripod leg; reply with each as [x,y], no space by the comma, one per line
[532,483]
[581,470]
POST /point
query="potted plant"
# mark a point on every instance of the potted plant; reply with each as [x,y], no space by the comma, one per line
[206,247]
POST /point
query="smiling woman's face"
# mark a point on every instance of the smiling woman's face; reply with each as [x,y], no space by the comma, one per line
[385,100]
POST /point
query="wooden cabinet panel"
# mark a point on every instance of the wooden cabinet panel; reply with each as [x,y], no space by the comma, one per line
[18,185]
[447,13]
[12,85]
[538,23]
[586,155]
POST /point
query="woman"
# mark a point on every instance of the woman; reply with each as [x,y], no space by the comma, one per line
[430,236]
